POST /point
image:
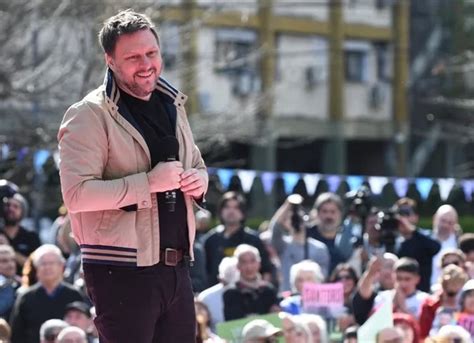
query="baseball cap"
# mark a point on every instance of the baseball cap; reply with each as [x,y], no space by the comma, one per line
[259,328]
[78,306]
[468,286]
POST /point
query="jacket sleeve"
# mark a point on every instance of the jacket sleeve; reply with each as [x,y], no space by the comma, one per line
[427,316]
[277,237]
[197,161]
[17,322]
[83,152]
[362,307]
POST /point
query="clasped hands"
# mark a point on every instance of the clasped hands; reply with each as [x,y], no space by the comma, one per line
[166,176]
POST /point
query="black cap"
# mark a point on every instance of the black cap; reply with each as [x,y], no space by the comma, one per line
[78,306]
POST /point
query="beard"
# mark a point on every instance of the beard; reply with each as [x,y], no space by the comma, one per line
[328,226]
[134,85]
[11,221]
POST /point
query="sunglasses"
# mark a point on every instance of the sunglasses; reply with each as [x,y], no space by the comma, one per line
[343,277]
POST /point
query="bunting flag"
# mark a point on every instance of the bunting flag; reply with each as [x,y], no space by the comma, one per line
[424,186]
[333,182]
[22,154]
[401,186]
[377,183]
[5,151]
[445,186]
[267,180]
[246,179]
[290,179]
[311,182]
[468,187]
[39,159]
[354,182]
[224,176]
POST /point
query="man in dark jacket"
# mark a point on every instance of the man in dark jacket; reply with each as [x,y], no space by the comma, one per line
[414,243]
[221,241]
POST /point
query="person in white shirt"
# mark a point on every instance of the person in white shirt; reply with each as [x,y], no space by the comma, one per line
[406,297]
[213,296]
[445,230]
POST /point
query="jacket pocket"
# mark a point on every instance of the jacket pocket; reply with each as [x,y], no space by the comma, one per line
[105,220]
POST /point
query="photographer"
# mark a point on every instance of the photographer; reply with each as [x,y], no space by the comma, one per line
[415,244]
[295,247]
[370,245]
[329,230]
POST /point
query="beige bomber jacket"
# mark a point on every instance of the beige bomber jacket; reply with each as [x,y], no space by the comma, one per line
[103,164]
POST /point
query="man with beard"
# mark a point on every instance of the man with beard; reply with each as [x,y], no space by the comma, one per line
[24,242]
[221,241]
[130,175]
[329,230]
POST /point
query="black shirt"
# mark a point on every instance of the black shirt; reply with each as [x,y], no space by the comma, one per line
[241,301]
[421,248]
[335,252]
[217,246]
[154,124]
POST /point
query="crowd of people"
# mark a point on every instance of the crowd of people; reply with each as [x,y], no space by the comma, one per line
[427,275]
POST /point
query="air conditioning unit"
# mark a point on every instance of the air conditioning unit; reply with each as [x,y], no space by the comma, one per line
[376,96]
[313,76]
[243,84]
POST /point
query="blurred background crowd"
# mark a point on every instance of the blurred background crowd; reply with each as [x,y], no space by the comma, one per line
[377,256]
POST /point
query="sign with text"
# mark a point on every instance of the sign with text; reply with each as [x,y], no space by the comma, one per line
[328,295]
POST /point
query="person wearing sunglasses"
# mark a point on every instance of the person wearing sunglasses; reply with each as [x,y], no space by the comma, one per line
[414,243]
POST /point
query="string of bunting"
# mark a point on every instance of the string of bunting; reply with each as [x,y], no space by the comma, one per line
[376,183]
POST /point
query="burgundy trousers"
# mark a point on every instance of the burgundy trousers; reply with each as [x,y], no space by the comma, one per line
[142,304]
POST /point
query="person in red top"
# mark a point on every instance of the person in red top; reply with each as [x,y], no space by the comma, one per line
[452,280]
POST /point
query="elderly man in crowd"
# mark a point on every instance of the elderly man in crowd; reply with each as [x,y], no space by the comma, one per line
[46,299]
[445,230]
[250,294]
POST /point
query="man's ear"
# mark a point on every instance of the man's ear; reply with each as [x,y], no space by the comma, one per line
[109,61]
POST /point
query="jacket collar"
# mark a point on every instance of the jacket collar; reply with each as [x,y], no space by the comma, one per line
[163,87]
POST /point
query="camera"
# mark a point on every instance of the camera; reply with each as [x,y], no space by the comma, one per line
[360,202]
[298,215]
[387,225]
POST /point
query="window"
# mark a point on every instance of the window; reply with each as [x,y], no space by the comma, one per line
[234,50]
[355,65]
[383,64]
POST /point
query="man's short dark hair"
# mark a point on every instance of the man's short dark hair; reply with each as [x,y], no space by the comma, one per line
[408,265]
[124,22]
[466,243]
[226,197]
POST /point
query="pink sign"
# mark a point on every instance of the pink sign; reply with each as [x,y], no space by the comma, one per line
[323,295]
[466,321]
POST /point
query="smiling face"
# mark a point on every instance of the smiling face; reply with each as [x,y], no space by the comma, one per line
[136,63]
